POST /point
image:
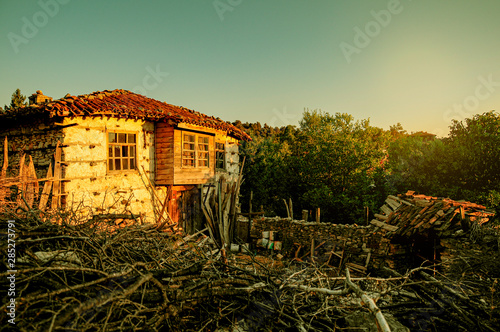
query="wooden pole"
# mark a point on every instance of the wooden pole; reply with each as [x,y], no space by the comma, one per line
[287,209]
[5,158]
[250,202]
[57,177]
[317,215]
[290,206]
[312,250]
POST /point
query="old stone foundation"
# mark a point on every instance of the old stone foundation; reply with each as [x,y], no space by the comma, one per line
[359,247]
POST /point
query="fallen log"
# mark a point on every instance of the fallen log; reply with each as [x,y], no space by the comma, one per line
[381,322]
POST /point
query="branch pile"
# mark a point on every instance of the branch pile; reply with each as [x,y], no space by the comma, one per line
[90,277]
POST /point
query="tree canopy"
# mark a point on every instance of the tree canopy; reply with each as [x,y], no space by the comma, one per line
[345,166]
[17,100]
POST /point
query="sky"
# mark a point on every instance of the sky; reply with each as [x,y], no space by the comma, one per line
[418,63]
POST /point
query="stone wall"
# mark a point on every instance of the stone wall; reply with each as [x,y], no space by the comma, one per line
[37,140]
[89,185]
[353,243]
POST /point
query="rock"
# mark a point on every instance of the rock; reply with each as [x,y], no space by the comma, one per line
[366,322]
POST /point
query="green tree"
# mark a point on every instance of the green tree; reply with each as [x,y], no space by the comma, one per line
[475,143]
[335,161]
[17,100]
[465,165]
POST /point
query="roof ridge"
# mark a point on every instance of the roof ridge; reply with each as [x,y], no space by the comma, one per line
[122,103]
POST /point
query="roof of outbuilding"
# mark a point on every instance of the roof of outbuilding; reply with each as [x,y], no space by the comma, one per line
[129,105]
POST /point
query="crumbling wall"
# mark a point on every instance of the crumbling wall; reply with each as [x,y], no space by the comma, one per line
[37,140]
[353,243]
[89,185]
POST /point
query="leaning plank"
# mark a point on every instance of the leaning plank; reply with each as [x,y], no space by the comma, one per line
[381,322]
[57,177]
[385,226]
[392,203]
[386,209]
[31,186]
[22,180]
[44,198]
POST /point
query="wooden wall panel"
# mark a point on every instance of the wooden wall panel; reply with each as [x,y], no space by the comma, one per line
[164,153]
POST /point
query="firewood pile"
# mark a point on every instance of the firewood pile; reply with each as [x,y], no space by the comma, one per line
[412,215]
[81,275]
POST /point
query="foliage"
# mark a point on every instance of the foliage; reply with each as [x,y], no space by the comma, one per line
[465,165]
[332,162]
[18,100]
[344,166]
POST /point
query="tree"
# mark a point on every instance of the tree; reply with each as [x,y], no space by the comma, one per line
[465,165]
[475,143]
[18,100]
[335,161]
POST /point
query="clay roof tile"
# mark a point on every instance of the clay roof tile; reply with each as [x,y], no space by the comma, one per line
[126,104]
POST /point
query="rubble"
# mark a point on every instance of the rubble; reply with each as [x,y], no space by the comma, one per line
[88,274]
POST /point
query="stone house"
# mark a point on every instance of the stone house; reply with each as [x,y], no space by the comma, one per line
[116,143]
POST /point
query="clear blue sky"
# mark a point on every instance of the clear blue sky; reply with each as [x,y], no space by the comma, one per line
[420,63]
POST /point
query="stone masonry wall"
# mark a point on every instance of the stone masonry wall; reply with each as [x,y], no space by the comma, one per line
[352,242]
[37,140]
[89,185]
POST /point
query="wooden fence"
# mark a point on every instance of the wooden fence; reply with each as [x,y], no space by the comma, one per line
[23,189]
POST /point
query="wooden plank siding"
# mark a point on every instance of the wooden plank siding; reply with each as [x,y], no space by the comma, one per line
[168,152]
[164,153]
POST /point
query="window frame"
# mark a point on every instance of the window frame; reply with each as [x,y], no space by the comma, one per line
[198,152]
[112,159]
[220,151]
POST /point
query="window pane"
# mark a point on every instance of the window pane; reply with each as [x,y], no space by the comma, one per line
[132,151]
[110,151]
[122,138]
[112,137]
[132,163]
[188,138]
[110,162]
[125,163]
[118,165]
[131,138]
[124,151]
[188,146]
[117,151]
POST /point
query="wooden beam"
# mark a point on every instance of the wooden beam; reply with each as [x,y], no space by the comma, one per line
[44,198]
[383,225]
[57,177]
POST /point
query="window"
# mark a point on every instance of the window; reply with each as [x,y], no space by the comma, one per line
[121,151]
[220,156]
[202,151]
[195,150]
[188,150]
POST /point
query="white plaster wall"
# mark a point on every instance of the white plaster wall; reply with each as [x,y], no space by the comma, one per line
[88,184]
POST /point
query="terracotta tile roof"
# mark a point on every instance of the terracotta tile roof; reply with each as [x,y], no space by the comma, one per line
[126,104]
[412,215]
